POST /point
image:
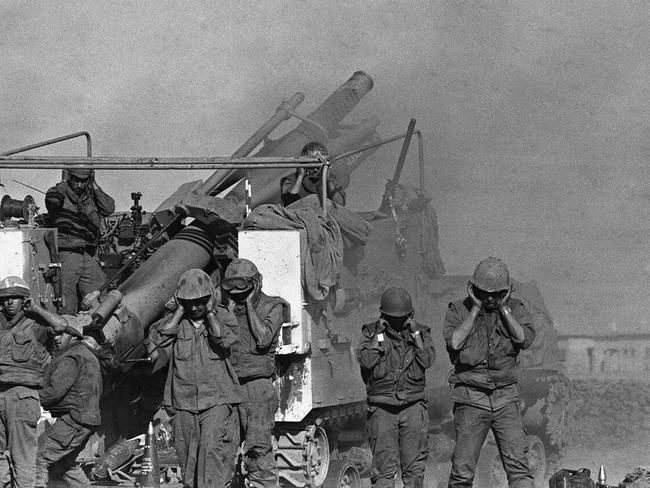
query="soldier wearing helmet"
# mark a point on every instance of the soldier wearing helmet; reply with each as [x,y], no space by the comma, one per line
[75,207]
[71,392]
[484,333]
[308,181]
[23,357]
[394,354]
[259,318]
[201,391]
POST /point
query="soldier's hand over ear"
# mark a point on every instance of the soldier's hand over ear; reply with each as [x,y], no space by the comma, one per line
[381,325]
[470,292]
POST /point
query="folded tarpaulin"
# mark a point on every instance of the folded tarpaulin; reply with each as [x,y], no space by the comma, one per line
[321,244]
[354,228]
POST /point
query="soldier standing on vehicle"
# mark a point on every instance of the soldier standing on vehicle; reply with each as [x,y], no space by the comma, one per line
[308,181]
[484,334]
[75,207]
[259,318]
[71,393]
[23,357]
[201,392]
[394,353]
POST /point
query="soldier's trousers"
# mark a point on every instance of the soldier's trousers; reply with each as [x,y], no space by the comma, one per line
[19,413]
[398,438]
[81,274]
[472,425]
[257,417]
[206,445]
[58,448]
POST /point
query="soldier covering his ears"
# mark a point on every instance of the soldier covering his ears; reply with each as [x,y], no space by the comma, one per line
[394,354]
[484,333]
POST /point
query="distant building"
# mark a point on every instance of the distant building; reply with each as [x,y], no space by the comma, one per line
[607,356]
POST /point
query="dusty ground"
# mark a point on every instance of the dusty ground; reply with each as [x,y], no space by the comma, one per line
[611,427]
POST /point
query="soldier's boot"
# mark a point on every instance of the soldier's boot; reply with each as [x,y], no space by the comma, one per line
[262,471]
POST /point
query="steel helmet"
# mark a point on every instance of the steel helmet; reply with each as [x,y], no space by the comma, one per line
[14,286]
[491,275]
[396,302]
[239,276]
[193,284]
[241,268]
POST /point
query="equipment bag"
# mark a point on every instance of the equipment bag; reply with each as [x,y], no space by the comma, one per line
[567,478]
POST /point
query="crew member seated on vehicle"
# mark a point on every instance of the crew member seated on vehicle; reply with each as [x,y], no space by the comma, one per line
[308,181]
[75,207]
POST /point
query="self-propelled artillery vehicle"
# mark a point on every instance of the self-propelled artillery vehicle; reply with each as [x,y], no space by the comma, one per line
[330,263]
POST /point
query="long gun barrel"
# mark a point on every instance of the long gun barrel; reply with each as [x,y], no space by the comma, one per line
[321,125]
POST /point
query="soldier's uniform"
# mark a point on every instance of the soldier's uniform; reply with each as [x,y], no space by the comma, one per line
[485,376]
[23,358]
[485,392]
[71,392]
[255,366]
[78,221]
[201,389]
[393,370]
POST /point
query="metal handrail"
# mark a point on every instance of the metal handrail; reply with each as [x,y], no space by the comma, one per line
[383,142]
[156,163]
[48,142]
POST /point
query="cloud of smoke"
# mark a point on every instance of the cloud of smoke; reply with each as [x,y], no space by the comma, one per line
[534,112]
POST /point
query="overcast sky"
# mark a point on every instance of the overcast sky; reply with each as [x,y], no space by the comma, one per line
[535,115]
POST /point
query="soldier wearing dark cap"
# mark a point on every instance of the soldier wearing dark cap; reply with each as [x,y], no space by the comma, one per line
[259,318]
[71,392]
[75,207]
[394,354]
[484,333]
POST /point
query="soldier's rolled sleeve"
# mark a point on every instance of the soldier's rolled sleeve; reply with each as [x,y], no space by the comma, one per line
[273,322]
[453,319]
[229,326]
[525,319]
[59,382]
[367,356]
[105,203]
[162,340]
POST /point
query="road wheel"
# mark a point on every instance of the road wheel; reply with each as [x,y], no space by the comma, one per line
[342,474]
[317,455]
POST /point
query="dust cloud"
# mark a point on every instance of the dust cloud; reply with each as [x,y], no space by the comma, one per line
[535,115]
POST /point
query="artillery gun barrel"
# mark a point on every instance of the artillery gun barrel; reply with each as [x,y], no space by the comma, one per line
[321,125]
[149,288]
[282,113]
